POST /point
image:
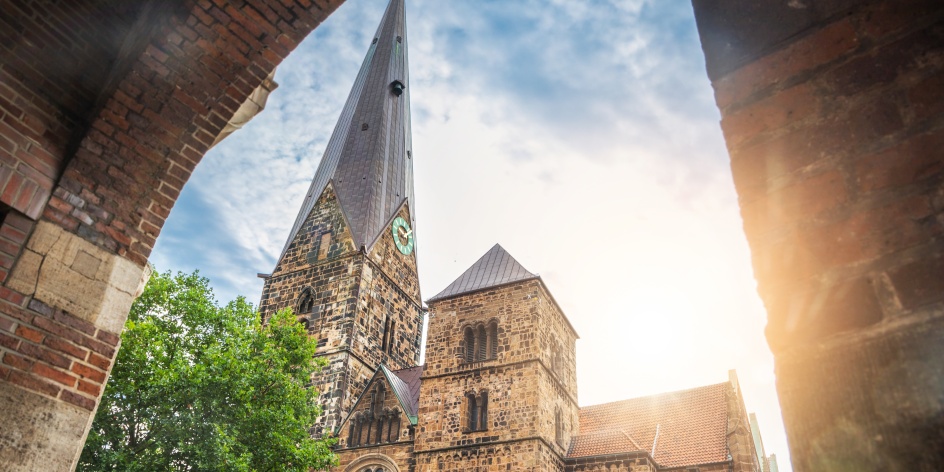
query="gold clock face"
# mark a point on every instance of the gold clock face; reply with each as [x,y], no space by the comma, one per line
[402,235]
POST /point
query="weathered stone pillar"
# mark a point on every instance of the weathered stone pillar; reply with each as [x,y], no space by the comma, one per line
[833,114]
[78,299]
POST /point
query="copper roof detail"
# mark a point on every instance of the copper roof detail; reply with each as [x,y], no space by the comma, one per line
[407,387]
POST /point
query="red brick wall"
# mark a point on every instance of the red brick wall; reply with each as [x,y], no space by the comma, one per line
[51,352]
[106,107]
[54,63]
[832,113]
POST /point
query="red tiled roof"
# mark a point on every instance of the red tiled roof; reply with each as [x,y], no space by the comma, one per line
[692,427]
[603,442]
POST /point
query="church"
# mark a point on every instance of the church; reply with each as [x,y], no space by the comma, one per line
[498,389]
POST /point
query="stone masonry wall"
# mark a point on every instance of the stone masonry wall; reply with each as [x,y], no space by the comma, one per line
[523,391]
[390,291]
[354,294]
[399,451]
[553,397]
[833,114]
[529,455]
[331,277]
[514,410]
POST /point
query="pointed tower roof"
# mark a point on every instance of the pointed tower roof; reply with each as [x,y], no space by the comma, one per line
[495,268]
[368,158]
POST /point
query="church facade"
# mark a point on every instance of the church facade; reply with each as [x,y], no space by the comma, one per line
[498,389]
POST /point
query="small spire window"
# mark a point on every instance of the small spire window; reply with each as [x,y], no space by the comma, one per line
[397,88]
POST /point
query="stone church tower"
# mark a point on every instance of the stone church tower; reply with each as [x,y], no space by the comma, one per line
[499,388]
[348,268]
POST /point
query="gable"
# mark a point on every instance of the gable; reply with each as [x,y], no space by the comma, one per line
[324,235]
[400,393]
[399,267]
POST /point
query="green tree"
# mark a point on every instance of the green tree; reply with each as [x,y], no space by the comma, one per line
[201,387]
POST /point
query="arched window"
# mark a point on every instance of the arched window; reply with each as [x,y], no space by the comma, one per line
[480,342]
[473,413]
[306,303]
[308,315]
[352,433]
[379,421]
[386,330]
[476,412]
[389,333]
[469,344]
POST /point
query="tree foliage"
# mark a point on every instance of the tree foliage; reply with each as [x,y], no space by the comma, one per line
[201,387]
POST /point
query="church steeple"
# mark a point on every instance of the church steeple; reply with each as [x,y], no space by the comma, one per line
[368,159]
[348,269]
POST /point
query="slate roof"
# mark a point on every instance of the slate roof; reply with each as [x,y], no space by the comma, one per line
[368,158]
[692,427]
[495,268]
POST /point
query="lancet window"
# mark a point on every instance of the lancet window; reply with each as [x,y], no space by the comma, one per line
[480,342]
[307,313]
[475,415]
[389,333]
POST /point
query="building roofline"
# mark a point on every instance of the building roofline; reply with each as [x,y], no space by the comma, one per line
[550,295]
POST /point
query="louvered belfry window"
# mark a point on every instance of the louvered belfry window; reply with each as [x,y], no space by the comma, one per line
[493,340]
[480,343]
[469,344]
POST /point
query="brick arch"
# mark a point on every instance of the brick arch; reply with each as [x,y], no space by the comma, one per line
[842,226]
[103,140]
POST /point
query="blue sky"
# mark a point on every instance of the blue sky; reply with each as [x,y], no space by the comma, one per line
[582,136]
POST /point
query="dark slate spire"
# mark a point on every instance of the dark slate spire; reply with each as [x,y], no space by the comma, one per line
[368,159]
[495,268]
